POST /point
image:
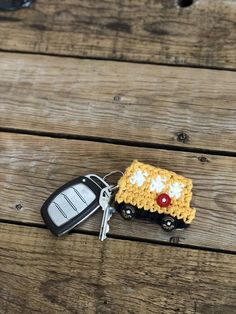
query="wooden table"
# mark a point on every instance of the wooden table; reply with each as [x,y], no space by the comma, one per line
[86,87]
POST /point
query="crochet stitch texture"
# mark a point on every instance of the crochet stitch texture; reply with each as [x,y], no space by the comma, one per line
[142,183]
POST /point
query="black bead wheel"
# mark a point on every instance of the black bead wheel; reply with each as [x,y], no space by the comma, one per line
[168,223]
[128,212]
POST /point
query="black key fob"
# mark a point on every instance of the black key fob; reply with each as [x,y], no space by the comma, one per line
[72,203]
[12,5]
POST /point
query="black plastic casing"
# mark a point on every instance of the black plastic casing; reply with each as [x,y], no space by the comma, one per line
[60,230]
[12,5]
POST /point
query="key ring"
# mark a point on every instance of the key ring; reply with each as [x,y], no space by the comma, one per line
[112,187]
[111,173]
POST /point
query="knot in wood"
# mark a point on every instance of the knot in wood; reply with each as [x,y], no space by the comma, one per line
[18,206]
[203,159]
[174,240]
[117,98]
[182,137]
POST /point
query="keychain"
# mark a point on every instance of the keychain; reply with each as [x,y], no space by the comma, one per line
[142,192]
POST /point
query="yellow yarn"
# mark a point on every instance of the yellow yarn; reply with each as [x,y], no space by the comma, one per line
[143,197]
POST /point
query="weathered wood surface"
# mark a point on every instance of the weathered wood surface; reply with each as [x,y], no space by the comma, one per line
[79,274]
[32,167]
[151,31]
[143,105]
[193,108]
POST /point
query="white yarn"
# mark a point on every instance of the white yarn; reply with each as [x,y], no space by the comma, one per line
[138,178]
[157,184]
[176,189]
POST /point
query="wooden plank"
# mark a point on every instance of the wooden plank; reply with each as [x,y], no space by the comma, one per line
[79,274]
[32,167]
[150,31]
[183,107]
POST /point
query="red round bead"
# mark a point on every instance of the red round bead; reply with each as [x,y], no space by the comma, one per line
[163,200]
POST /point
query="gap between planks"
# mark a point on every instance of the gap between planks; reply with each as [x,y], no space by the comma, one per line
[157,105]
[173,243]
[123,142]
[81,57]
[153,31]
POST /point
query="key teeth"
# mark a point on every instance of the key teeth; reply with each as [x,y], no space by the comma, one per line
[107,212]
[105,228]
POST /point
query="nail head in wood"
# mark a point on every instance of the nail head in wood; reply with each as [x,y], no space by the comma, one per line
[117,98]
[203,159]
[18,207]
[182,137]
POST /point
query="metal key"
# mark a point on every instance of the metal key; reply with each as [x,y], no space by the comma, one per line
[108,211]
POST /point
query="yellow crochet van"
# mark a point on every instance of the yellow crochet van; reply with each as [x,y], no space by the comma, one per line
[148,192]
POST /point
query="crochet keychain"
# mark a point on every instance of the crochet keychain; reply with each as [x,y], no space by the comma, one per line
[142,192]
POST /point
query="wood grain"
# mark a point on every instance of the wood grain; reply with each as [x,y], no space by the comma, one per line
[32,167]
[190,108]
[152,31]
[79,274]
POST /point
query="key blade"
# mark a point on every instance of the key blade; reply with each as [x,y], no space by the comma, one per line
[104,201]
[104,226]
[111,211]
[104,233]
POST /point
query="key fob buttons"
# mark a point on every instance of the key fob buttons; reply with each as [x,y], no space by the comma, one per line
[72,203]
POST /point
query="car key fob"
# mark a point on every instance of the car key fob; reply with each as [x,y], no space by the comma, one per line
[72,203]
